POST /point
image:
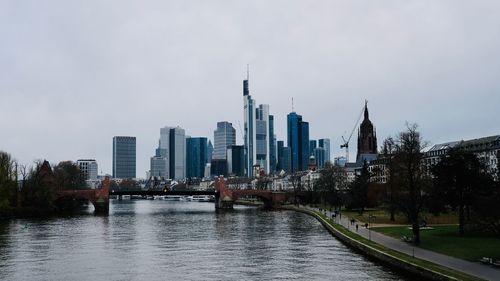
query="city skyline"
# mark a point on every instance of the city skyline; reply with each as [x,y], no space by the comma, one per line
[73,79]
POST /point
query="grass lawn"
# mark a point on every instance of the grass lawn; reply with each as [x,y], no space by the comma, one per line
[383,217]
[446,240]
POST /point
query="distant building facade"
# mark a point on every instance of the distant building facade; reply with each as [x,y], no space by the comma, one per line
[325,144]
[124,157]
[88,168]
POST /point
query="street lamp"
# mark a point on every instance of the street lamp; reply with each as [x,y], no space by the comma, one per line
[370,217]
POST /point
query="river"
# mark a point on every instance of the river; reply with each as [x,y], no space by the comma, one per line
[162,240]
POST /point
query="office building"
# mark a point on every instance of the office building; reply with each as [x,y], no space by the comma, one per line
[298,141]
[236,160]
[88,168]
[312,146]
[218,167]
[258,134]
[210,151]
[224,137]
[319,156]
[196,157]
[177,153]
[159,167]
[124,157]
[325,143]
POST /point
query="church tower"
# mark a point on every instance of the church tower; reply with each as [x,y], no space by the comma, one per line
[367,138]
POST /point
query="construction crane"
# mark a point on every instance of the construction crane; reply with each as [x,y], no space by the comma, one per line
[346,142]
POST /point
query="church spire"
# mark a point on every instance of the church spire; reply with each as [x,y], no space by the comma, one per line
[366,110]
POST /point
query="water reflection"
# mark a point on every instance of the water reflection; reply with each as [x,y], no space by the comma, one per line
[159,240]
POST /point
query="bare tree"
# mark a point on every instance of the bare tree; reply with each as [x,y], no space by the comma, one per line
[411,176]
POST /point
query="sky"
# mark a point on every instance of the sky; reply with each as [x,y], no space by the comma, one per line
[73,74]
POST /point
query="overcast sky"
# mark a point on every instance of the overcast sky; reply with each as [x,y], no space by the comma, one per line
[73,74]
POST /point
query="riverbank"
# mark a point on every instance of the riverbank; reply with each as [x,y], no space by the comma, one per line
[415,266]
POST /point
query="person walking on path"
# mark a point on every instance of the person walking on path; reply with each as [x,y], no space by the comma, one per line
[357,227]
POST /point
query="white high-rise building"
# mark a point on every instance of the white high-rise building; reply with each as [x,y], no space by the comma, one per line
[88,168]
[177,153]
[170,157]
[224,137]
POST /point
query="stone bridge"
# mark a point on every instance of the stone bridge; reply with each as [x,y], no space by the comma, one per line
[99,197]
[225,197]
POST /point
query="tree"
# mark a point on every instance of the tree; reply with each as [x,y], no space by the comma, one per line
[333,182]
[68,176]
[388,151]
[457,178]
[39,189]
[8,181]
[410,176]
[358,191]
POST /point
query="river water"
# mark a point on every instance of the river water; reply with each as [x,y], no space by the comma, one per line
[161,240]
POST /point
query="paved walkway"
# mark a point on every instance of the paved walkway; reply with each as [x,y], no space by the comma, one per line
[471,268]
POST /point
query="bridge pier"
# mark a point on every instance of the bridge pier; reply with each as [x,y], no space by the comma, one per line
[101,207]
[223,203]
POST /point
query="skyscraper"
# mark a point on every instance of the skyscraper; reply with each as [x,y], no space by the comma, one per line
[312,146]
[224,137]
[258,131]
[210,151]
[272,146]
[196,157]
[284,157]
[124,157]
[325,143]
[177,153]
[235,160]
[298,141]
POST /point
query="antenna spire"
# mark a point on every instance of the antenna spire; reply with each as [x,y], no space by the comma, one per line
[248,71]
[293,110]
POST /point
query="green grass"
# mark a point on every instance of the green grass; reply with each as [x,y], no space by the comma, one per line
[416,261]
[446,240]
[383,217]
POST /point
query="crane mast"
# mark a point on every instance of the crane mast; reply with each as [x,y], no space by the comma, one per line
[345,143]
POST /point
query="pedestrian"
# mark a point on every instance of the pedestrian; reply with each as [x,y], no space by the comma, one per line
[357,227]
[366,225]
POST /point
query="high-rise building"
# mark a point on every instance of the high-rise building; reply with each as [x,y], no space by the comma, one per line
[218,167]
[272,146]
[170,157]
[224,137]
[284,158]
[312,146]
[88,168]
[298,141]
[257,133]
[124,157]
[196,157]
[262,137]
[319,156]
[325,143]
[235,160]
[177,153]
[367,140]
[159,167]
[210,151]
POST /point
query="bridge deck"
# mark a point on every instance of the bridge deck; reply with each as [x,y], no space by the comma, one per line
[161,192]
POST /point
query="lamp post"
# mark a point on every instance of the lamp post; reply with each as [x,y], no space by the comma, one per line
[370,217]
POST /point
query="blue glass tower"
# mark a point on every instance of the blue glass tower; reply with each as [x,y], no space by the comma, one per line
[298,141]
[196,157]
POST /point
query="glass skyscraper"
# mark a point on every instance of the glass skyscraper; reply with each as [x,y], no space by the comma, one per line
[258,134]
[124,157]
[325,143]
[224,137]
[196,157]
[298,141]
